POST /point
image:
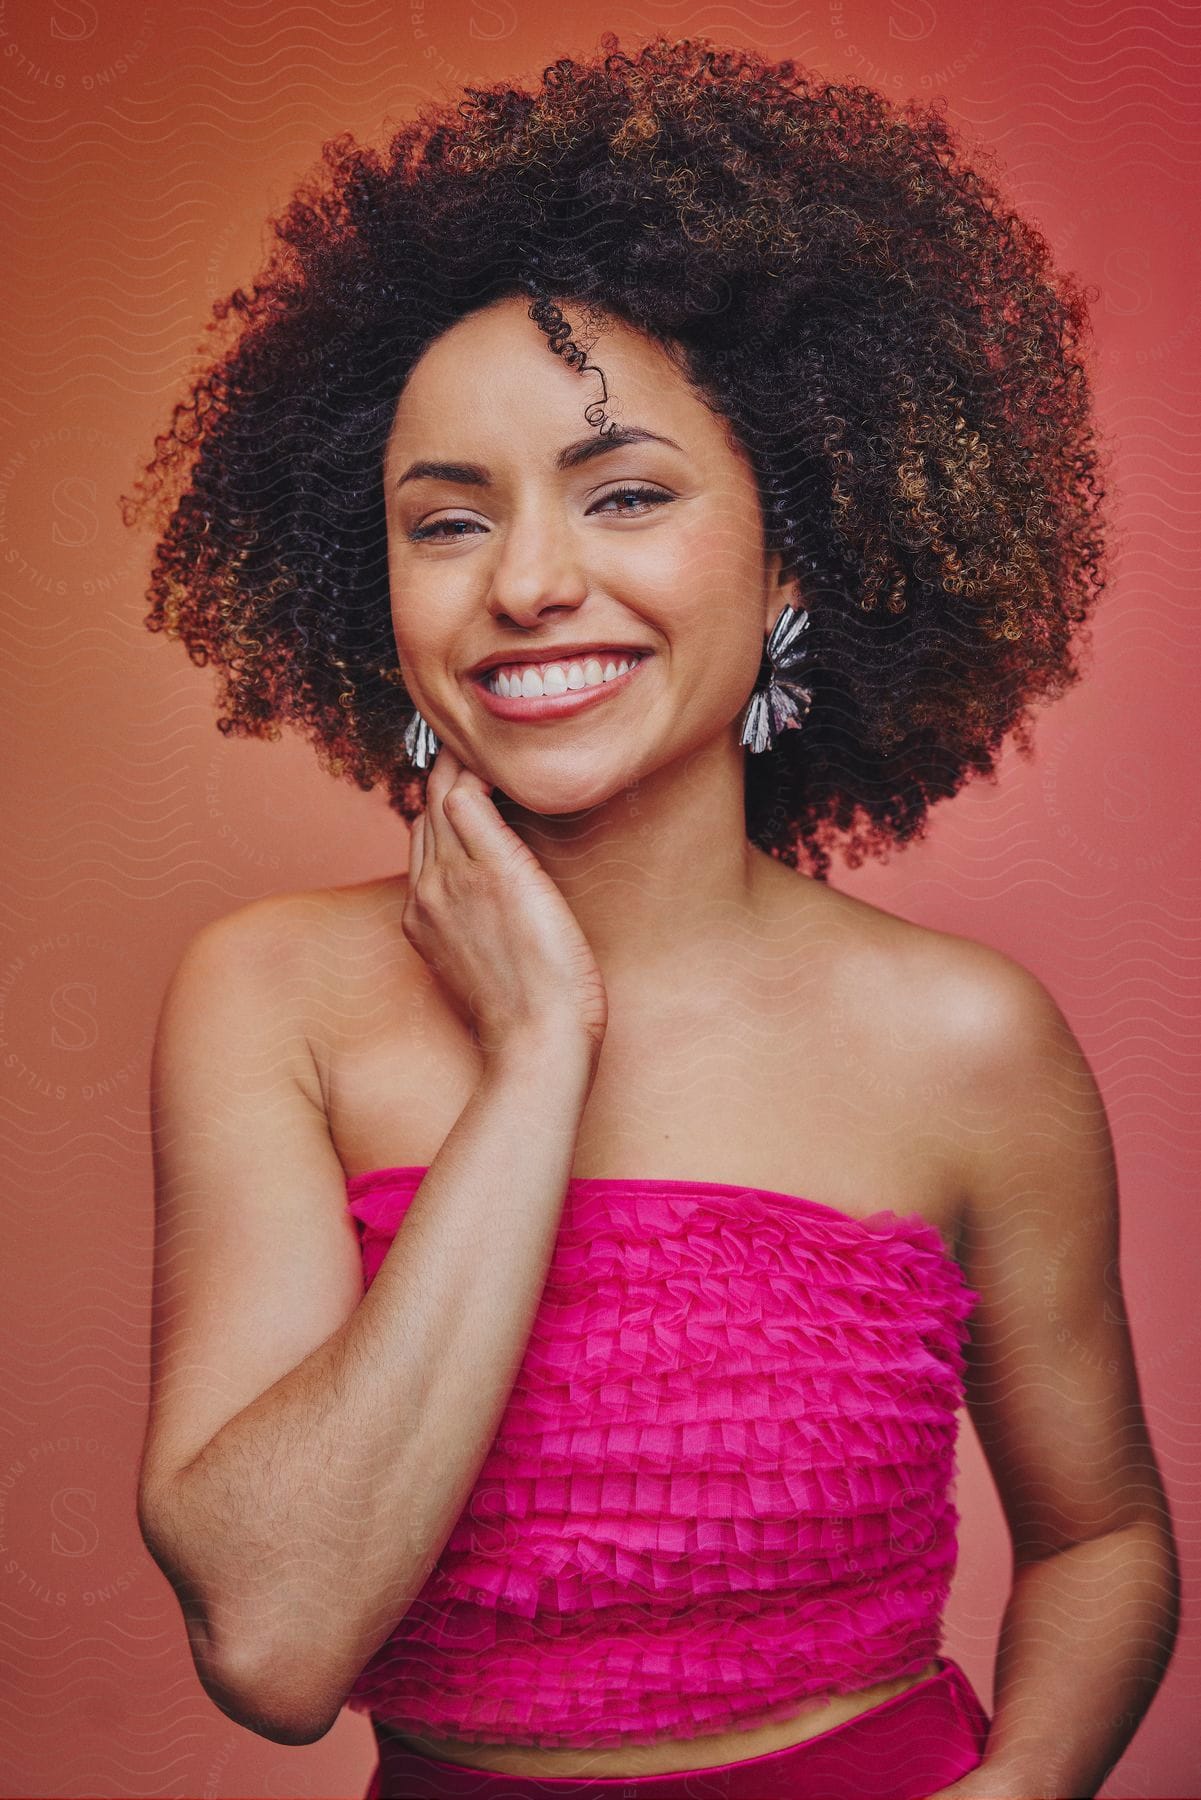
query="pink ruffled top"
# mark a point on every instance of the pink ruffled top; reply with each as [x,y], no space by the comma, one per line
[722,1481]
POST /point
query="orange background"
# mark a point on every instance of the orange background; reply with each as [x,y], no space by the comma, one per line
[146,146]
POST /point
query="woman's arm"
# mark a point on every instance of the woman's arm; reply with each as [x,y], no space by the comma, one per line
[298,1528]
[298,1533]
[1053,1392]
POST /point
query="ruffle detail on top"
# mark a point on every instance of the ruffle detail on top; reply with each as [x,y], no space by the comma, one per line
[722,1481]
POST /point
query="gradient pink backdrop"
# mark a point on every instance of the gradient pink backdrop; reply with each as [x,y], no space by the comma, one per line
[146,145]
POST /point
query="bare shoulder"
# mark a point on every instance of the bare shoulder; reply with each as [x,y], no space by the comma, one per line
[981,1033]
[291,922]
[991,1013]
[1018,1093]
[298,951]
[976,1004]
[979,1053]
[293,931]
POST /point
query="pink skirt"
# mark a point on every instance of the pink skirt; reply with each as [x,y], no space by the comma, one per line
[903,1749]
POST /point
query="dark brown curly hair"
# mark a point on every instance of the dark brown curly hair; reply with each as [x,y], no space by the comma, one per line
[886,340]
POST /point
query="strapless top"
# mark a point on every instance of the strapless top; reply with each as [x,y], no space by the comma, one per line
[722,1481]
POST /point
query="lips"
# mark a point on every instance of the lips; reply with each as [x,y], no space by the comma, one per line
[530,709]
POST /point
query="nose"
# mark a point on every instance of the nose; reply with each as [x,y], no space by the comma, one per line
[538,570]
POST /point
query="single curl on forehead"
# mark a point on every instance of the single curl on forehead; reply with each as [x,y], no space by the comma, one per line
[885,340]
[549,318]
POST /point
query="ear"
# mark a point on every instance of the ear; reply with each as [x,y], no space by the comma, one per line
[779,590]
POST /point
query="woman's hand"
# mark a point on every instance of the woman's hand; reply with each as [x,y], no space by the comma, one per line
[487,918]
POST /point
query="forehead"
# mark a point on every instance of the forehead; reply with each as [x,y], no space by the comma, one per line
[495,373]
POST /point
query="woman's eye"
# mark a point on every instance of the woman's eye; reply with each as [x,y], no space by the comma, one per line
[650,496]
[448,529]
[420,533]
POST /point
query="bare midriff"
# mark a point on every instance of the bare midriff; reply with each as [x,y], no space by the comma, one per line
[821,1712]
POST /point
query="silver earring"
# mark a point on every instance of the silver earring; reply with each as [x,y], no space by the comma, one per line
[420,743]
[781,703]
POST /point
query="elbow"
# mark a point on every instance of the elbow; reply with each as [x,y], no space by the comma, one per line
[271,1694]
[258,1700]
[275,1693]
[1171,1583]
[255,1691]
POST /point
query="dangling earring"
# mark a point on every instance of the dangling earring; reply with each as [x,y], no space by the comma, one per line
[781,703]
[420,743]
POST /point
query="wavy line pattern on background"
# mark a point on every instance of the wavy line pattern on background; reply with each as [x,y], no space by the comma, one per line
[141,163]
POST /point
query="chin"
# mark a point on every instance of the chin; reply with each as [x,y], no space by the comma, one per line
[555,795]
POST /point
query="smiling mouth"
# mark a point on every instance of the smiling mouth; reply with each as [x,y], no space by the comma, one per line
[616,672]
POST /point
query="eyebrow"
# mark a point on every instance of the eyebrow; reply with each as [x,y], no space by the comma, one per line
[571,457]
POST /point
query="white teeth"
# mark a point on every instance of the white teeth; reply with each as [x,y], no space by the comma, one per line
[557,678]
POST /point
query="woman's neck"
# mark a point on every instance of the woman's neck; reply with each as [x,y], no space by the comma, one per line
[660,871]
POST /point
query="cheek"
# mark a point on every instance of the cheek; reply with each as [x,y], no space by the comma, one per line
[709,546]
[416,644]
[716,645]
[421,612]
[715,582]
[721,558]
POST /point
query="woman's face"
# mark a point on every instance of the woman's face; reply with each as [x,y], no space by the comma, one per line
[526,550]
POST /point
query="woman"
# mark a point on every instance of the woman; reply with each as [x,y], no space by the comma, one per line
[655,481]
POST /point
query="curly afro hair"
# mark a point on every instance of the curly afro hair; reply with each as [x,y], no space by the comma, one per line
[887,342]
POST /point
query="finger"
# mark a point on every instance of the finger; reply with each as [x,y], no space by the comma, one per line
[461,780]
[416,850]
[440,839]
[480,829]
